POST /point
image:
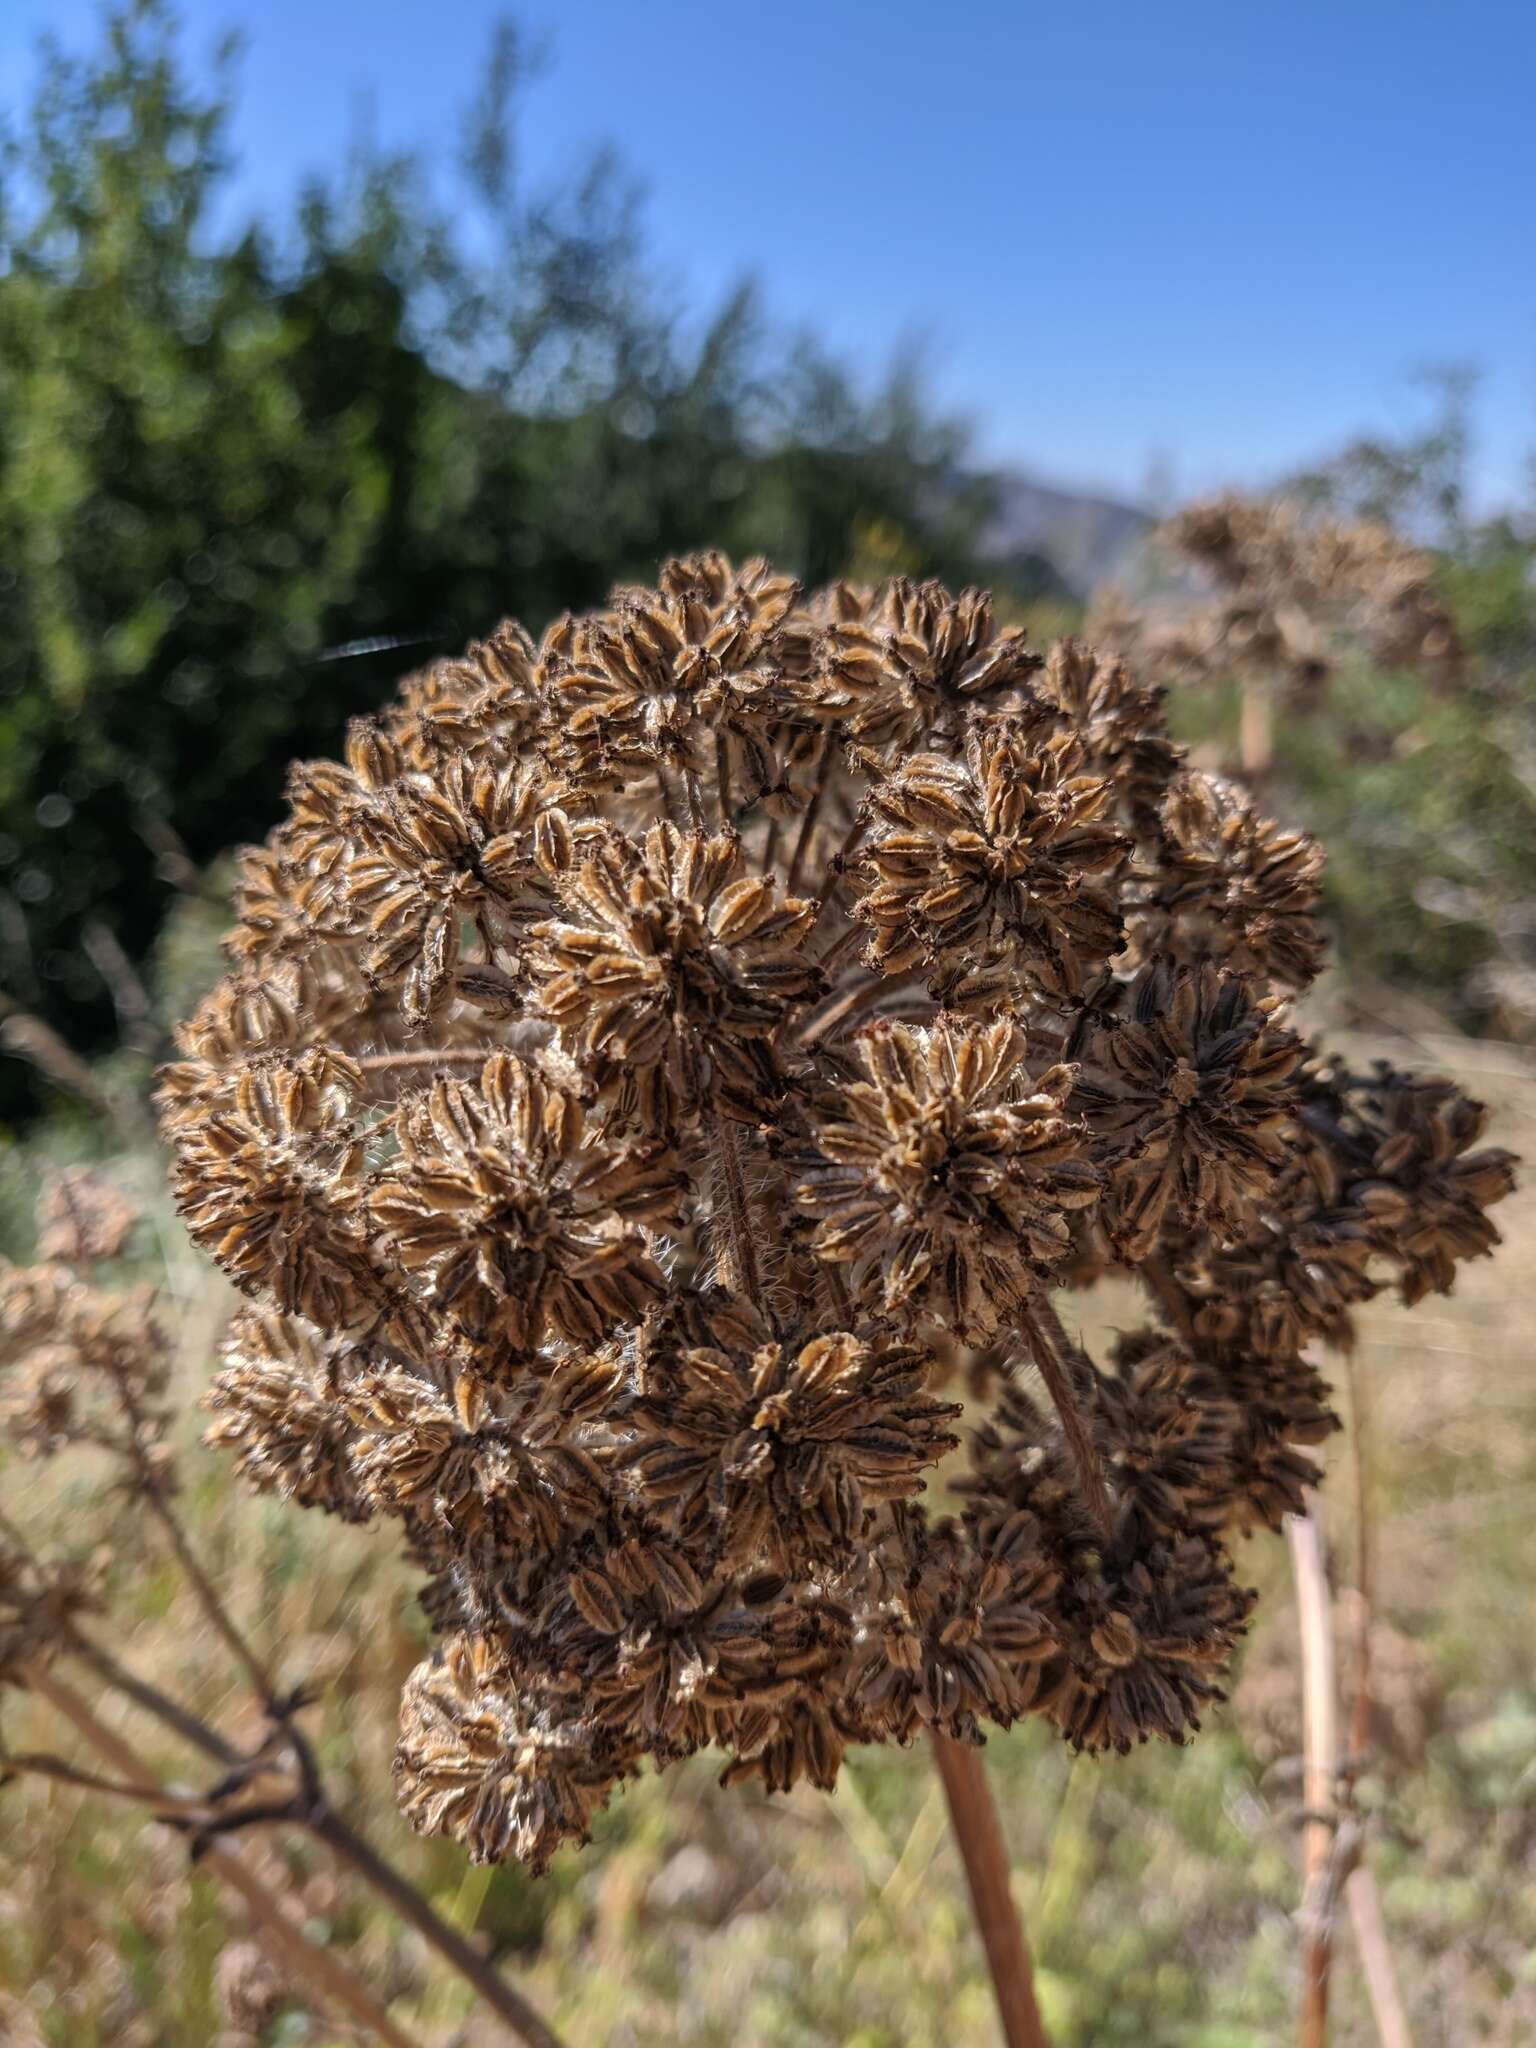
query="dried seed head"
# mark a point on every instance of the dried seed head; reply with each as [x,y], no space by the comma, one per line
[943,1177]
[1006,847]
[1189,1094]
[652,1059]
[40,1605]
[279,1407]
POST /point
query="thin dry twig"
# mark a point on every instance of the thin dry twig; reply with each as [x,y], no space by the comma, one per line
[325,1973]
[1051,1350]
[311,1811]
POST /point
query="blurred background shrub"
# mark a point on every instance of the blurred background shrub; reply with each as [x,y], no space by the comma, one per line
[246,478]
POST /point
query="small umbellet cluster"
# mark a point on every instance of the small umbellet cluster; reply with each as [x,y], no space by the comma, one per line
[663,1064]
[1286,591]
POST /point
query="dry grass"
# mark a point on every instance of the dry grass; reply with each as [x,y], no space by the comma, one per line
[1158,1892]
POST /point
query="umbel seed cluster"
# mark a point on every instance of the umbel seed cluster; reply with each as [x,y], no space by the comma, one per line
[663,1064]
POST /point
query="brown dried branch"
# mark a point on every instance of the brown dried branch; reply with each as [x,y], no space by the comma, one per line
[325,1973]
[973,1817]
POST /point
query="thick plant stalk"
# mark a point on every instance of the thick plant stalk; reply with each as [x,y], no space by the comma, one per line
[325,1973]
[1320,1750]
[1365,1555]
[974,1819]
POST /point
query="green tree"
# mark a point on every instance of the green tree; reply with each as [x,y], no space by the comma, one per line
[222,459]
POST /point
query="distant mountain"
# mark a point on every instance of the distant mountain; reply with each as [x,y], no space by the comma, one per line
[1080,539]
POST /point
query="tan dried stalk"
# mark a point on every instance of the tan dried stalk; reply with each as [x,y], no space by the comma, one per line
[1360,1890]
[1334,1868]
[1320,1770]
[1375,1951]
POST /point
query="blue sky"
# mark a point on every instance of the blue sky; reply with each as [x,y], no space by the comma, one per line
[1219,238]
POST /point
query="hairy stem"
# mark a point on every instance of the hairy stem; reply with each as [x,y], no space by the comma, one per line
[1053,1352]
[432,1057]
[740,1253]
[979,1838]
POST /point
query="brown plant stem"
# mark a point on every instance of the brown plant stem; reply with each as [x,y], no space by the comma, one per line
[175,1716]
[152,1490]
[1052,1351]
[812,813]
[408,1062]
[979,1838]
[844,1008]
[1359,1449]
[1166,1293]
[325,1973]
[836,868]
[1320,1745]
[208,1599]
[39,1764]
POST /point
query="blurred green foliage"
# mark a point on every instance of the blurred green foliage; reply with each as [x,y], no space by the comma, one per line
[226,456]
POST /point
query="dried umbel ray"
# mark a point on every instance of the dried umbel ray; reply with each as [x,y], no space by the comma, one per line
[662,1063]
[1289,589]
